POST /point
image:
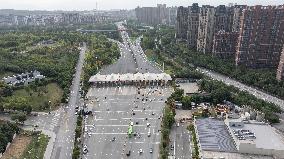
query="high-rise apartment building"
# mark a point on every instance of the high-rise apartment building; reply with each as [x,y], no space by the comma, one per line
[237,11]
[146,15]
[222,19]
[224,44]
[193,23]
[182,23]
[163,13]
[172,16]
[206,29]
[153,15]
[261,36]
[280,70]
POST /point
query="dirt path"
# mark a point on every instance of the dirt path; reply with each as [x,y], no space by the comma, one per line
[17,147]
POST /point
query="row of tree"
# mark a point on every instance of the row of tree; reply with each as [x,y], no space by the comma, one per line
[78,134]
[167,122]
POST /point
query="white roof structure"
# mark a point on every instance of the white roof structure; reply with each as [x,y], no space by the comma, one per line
[130,77]
[138,77]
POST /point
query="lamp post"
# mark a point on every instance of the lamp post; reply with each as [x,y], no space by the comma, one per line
[49,103]
[97,63]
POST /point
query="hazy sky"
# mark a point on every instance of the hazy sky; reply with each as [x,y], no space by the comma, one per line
[115,4]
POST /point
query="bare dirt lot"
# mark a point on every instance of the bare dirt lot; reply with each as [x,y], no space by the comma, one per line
[189,87]
[17,147]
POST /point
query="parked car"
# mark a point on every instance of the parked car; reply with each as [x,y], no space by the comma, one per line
[128,153]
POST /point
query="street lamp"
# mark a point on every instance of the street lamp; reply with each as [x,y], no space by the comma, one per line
[49,103]
[97,63]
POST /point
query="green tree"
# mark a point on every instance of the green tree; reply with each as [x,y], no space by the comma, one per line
[186,102]
[20,117]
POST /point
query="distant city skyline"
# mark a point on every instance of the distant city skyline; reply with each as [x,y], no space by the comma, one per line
[116,4]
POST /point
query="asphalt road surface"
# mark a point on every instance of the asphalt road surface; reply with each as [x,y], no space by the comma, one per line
[125,63]
[63,146]
[180,140]
[113,109]
[257,93]
[132,58]
[144,65]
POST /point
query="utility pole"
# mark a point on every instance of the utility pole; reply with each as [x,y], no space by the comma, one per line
[163,66]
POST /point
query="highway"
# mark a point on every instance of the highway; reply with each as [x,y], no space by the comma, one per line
[125,63]
[144,65]
[257,93]
[63,146]
[132,57]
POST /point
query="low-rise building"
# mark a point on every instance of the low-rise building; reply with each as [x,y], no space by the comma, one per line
[23,79]
[252,137]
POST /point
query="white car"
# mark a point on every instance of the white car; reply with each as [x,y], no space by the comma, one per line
[148,124]
[140,151]
[85,150]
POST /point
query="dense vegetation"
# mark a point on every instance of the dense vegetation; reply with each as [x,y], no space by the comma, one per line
[20,53]
[168,50]
[25,51]
[101,52]
[7,130]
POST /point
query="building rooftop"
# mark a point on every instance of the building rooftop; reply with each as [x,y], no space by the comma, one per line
[267,137]
[214,136]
